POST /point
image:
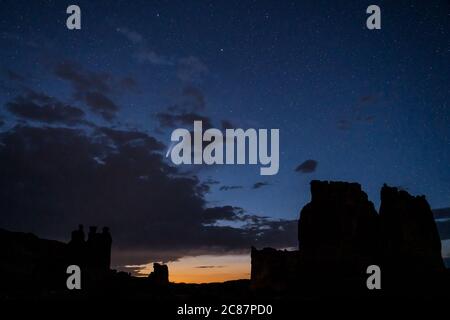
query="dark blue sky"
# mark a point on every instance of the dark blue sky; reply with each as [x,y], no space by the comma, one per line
[367,106]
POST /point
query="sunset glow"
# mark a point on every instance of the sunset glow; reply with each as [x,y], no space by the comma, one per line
[205,269]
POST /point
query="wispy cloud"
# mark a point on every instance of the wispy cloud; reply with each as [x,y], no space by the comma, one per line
[131,35]
[307,166]
[208,267]
[260,184]
[143,52]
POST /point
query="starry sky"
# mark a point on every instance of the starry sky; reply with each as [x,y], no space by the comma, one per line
[86,115]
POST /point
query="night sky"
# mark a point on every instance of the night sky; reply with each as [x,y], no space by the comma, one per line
[86,115]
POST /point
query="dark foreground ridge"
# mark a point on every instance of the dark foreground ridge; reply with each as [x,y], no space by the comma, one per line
[340,234]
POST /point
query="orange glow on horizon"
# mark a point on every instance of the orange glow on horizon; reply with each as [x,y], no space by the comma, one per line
[205,269]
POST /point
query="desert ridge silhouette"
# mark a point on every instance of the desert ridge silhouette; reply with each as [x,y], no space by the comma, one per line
[31,265]
[340,235]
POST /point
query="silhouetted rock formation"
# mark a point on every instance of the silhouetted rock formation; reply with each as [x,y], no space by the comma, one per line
[341,234]
[37,268]
[77,247]
[29,263]
[409,233]
[92,255]
[274,269]
[338,228]
[411,246]
[442,218]
[160,275]
[95,253]
[98,251]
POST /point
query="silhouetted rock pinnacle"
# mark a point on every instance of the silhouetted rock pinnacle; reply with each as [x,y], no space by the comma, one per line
[409,233]
[339,227]
[160,275]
